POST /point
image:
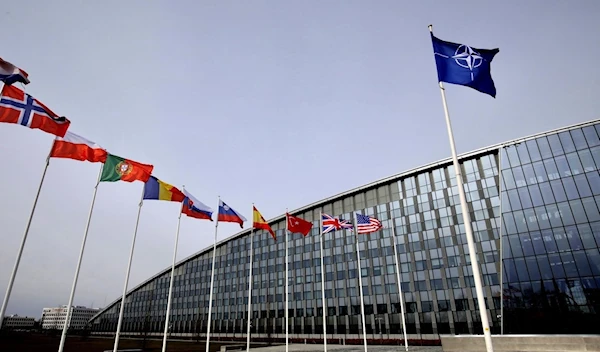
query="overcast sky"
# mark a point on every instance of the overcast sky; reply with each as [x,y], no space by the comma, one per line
[281,103]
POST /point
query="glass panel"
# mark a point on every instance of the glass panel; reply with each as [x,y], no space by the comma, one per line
[574,163]
[596,155]
[523,154]
[540,171]
[582,186]
[513,157]
[525,198]
[532,267]
[555,145]
[586,160]
[558,190]
[513,196]
[519,177]
[566,141]
[551,170]
[565,213]
[536,195]
[591,136]
[509,182]
[589,204]
[562,166]
[570,188]
[544,147]
[529,173]
[534,152]
[578,211]
[547,193]
[582,263]
[578,139]
[526,244]
[594,182]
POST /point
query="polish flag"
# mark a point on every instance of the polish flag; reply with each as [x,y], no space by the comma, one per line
[72,146]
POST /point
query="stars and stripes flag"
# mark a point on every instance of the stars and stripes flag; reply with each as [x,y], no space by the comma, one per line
[367,224]
[333,224]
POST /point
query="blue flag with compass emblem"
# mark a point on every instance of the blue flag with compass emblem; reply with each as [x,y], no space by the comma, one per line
[464,65]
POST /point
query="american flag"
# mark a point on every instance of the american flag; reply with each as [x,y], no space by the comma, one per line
[333,224]
[367,224]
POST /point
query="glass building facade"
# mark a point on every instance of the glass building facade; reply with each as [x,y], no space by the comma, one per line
[534,208]
[551,233]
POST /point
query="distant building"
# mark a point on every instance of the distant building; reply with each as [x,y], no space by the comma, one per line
[17,322]
[54,318]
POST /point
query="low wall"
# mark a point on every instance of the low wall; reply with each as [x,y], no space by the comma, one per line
[521,343]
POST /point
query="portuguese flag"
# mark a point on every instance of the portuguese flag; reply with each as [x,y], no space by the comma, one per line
[120,169]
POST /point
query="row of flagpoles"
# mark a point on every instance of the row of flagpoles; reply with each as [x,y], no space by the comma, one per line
[456,63]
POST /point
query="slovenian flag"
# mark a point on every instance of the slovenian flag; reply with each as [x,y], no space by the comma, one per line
[227,214]
[194,208]
[10,73]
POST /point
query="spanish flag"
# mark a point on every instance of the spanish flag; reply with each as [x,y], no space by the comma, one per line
[158,190]
[260,223]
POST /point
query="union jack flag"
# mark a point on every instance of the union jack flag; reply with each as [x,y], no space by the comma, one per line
[367,224]
[333,224]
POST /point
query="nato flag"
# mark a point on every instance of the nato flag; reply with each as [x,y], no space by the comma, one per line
[464,65]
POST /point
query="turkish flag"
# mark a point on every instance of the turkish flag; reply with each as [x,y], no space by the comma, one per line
[297,225]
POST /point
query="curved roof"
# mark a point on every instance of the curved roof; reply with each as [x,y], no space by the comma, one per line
[352,191]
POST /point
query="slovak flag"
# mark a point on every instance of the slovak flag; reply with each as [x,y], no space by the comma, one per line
[194,208]
[10,73]
[227,214]
[20,108]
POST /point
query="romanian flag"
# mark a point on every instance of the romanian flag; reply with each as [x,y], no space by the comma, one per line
[260,223]
[158,190]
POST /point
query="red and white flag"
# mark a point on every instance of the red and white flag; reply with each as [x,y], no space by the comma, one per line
[298,225]
[20,108]
[73,146]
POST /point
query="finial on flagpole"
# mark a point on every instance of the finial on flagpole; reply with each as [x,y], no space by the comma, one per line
[430,28]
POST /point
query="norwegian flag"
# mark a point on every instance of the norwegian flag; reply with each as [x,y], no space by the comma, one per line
[10,73]
[20,108]
[367,224]
[333,224]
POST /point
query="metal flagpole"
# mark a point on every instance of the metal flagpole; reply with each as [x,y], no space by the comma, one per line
[212,279]
[164,345]
[399,285]
[250,285]
[323,284]
[85,234]
[122,309]
[287,322]
[11,281]
[467,221]
[362,302]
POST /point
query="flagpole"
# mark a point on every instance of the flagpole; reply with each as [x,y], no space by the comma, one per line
[467,222]
[212,279]
[164,345]
[72,294]
[323,283]
[250,285]
[122,309]
[287,323]
[11,281]
[399,285]
[362,302]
